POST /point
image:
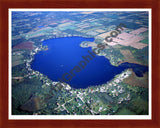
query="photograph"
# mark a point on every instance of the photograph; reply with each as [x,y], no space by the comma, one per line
[80,63]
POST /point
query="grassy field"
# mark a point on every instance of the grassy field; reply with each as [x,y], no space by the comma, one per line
[17,60]
[125,111]
[128,56]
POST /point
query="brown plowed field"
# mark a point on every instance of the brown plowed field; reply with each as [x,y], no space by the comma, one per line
[137,81]
[24,45]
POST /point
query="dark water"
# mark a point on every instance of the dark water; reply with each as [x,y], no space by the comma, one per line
[64,54]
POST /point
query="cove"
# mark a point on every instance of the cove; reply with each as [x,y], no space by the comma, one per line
[65,53]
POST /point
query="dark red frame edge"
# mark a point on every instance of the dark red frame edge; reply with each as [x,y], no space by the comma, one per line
[6,4]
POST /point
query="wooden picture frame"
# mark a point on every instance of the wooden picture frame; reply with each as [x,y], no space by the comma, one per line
[4,85]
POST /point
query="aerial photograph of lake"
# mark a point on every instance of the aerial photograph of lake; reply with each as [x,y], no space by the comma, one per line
[80,62]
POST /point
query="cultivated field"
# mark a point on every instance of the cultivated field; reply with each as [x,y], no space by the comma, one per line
[17,60]
[128,56]
[24,45]
[127,39]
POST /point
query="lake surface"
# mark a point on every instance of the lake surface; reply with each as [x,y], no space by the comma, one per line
[64,54]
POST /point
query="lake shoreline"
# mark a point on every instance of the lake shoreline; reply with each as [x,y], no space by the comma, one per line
[50,60]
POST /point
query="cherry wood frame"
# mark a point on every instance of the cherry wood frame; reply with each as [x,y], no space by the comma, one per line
[6,4]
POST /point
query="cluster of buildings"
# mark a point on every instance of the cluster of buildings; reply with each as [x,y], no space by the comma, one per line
[92,96]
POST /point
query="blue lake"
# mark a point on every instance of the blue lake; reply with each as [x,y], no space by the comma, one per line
[64,54]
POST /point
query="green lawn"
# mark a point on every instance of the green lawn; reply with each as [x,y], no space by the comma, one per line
[125,111]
